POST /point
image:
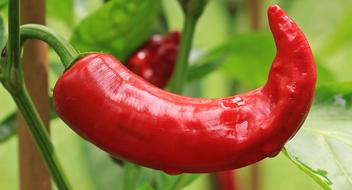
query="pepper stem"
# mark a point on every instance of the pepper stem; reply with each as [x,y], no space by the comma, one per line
[10,68]
[12,78]
[192,10]
[41,137]
[180,72]
[64,49]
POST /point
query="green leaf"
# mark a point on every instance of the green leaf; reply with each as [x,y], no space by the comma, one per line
[323,147]
[307,12]
[206,64]
[8,126]
[324,74]
[145,186]
[137,177]
[118,27]
[3,3]
[167,182]
[105,174]
[238,56]
[340,37]
[245,58]
[251,56]
[337,49]
[62,10]
[131,174]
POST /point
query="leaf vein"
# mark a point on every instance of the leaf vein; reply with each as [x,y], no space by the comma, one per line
[338,162]
[339,136]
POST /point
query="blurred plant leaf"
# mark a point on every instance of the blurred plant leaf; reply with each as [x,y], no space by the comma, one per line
[336,52]
[8,126]
[340,37]
[323,147]
[57,69]
[167,182]
[62,10]
[247,59]
[286,4]
[325,14]
[2,32]
[206,64]
[3,3]
[251,57]
[324,74]
[110,175]
[137,177]
[118,27]
[145,186]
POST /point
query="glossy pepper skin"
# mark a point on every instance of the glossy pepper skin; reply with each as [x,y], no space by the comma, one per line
[156,59]
[129,118]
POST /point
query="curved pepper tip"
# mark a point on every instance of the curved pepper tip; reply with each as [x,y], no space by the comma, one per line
[275,10]
[283,28]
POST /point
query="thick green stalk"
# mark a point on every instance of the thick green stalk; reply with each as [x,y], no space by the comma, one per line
[14,83]
[14,40]
[12,65]
[192,10]
[180,72]
[36,127]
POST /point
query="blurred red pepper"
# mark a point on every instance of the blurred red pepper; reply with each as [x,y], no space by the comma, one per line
[225,180]
[156,59]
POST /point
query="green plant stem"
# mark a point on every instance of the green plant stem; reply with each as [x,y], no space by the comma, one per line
[14,83]
[36,127]
[12,65]
[14,40]
[66,52]
[180,72]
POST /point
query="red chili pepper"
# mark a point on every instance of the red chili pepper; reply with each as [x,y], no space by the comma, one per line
[156,59]
[126,116]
